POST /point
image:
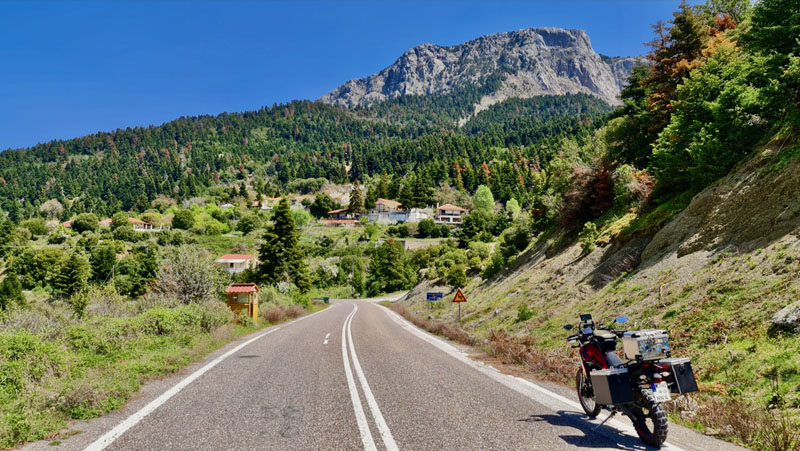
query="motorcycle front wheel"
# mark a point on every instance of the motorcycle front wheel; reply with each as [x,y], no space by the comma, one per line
[650,419]
[586,395]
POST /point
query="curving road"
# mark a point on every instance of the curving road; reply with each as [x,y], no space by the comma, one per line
[354,376]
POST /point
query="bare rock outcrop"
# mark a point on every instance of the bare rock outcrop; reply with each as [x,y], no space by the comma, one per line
[532,62]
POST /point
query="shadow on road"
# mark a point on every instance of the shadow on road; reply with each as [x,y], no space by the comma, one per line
[594,436]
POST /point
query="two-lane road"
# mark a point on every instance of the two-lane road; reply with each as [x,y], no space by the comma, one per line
[354,376]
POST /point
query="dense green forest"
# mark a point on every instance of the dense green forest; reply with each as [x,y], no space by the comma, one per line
[127,169]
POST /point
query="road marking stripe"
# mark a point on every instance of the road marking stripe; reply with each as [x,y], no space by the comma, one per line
[326,338]
[383,429]
[110,436]
[361,418]
[513,382]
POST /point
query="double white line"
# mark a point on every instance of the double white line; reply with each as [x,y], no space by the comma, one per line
[361,418]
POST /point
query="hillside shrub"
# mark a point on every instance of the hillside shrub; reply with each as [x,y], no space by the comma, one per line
[37,226]
[588,237]
[84,222]
[496,264]
[457,275]
[183,219]
[524,313]
[427,229]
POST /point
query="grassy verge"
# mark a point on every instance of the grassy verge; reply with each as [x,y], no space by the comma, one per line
[85,368]
[447,330]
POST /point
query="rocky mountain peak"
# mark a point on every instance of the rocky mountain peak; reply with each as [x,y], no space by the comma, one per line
[531,62]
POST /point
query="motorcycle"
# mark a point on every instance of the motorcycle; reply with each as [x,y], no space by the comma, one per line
[637,386]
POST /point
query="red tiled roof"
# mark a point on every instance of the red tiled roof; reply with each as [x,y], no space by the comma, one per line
[333,212]
[242,288]
[235,257]
[106,222]
[137,221]
[67,224]
[451,207]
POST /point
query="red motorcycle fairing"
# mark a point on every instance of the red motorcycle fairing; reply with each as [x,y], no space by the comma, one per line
[590,353]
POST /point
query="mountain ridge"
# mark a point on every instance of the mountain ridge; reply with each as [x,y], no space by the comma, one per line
[531,62]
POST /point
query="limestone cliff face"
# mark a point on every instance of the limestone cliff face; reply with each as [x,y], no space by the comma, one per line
[532,62]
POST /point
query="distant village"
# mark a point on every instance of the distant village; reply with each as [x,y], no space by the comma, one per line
[385,211]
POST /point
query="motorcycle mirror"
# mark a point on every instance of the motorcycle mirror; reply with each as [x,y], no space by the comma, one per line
[568,327]
[622,319]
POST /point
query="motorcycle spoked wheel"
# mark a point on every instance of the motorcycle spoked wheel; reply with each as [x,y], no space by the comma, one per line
[586,395]
[649,419]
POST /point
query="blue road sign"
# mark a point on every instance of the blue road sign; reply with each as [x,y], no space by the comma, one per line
[433,297]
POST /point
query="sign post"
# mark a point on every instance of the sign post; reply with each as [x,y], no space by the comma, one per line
[433,297]
[458,299]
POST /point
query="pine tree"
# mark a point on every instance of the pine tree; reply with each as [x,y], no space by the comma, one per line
[356,199]
[280,257]
[11,291]
[73,276]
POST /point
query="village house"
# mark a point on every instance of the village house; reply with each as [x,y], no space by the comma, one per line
[386,205]
[388,212]
[341,213]
[449,214]
[235,263]
[142,226]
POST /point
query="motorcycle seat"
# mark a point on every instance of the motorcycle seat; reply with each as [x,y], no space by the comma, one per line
[605,334]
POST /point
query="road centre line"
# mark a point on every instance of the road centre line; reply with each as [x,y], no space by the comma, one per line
[326,339]
[361,418]
[518,384]
[112,435]
[383,428]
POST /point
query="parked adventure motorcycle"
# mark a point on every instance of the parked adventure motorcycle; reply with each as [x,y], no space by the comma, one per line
[636,386]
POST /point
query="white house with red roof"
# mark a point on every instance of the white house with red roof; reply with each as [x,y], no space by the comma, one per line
[235,263]
[449,214]
[142,226]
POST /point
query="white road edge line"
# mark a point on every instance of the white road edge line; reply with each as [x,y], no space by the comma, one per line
[383,428]
[361,418]
[326,339]
[517,384]
[115,433]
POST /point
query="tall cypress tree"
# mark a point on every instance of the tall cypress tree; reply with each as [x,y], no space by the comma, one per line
[356,199]
[73,277]
[280,257]
[11,291]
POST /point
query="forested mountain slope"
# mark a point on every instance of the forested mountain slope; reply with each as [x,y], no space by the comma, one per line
[127,169]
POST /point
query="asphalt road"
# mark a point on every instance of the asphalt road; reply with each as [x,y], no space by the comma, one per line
[354,376]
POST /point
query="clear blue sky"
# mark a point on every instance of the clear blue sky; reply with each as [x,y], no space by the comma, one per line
[68,69]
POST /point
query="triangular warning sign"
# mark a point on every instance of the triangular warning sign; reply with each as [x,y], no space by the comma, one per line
[459,296]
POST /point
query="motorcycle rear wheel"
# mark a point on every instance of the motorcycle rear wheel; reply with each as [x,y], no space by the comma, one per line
[586,395]
[650,419]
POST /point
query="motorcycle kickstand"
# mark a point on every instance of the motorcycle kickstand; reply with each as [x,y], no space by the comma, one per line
[613,412]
